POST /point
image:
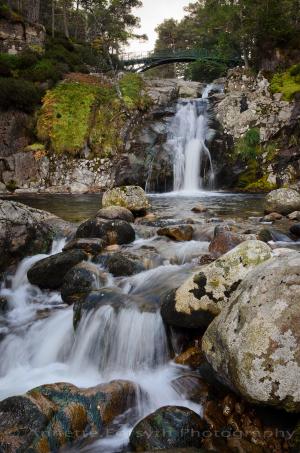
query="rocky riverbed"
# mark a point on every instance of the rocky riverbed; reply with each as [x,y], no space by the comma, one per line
[150,320]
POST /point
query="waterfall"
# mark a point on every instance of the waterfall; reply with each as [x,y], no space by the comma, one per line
[187,143]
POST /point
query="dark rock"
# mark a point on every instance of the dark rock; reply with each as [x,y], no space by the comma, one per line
[168,427]
[270,234]
[121,264]
[116,213]
[23,231]
[93,246]
[192,357]
[49,272]
[3,304]
[177,233]
[192,388]
[80,280]
[111,231]
[224,240]
[52,416]
[295,230]
[112,297]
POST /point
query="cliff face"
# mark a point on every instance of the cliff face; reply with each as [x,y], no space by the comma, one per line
[16,36]
[260,134]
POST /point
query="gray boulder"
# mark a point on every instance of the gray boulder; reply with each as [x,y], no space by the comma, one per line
[254,344]
[130,197]
[284,201]
[206,293]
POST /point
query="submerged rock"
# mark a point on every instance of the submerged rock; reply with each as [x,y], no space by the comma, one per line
[168,427]
[49,272]
[130,197]
[254,343]
[53,416]
[121,264]
[283,201]
[178,232]
[80,280]
[206,293]
[23,231]
[116,212]
[111,231]
[93,246]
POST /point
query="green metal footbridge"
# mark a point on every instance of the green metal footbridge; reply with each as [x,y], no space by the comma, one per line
[141,62]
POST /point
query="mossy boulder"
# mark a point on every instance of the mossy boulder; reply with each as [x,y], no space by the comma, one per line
[129,197]
[202,297]
[53,416]
[283,201]
[168,427]
[253,345]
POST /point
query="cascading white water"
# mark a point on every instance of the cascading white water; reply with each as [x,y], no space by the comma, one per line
[187,142]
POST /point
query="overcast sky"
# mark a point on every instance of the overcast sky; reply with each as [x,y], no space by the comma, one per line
[152,14]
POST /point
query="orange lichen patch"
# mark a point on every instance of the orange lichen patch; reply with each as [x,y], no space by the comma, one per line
[42,445]
[77,415]
[47,407]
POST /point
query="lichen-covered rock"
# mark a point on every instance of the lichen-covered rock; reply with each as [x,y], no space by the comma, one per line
[53,416]
[206,293]
[177,233]
[121,264]
[129,197]
[93,246]
[49,272]
[116,213]
[111,231]
[80,280]
[283,201]
[23,231]
[168,427]
[253,344]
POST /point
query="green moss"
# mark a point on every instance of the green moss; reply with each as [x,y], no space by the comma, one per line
[249,176]
[247,147]
[287,83]
[261,185]
[65,116]
[35,147]
[11,185]
[132,89]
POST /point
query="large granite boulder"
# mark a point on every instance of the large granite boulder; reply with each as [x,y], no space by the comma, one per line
[284,201]
[53,416]
[49,272]
[23,231]
[254,344]
[111,231]
[168,427]
[206,293]
[129,197]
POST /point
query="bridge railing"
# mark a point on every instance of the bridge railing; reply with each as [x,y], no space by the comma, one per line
[168,53]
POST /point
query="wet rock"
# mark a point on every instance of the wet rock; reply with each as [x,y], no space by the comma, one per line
[129,197]
[111,231]
[116,213]
[253,344]
[284,201]
[168,427]
[294,215]
[80,280]
[272,217]
[57,414]
[111,297]
[192,388]
[49,272]
[224,240]
[295,230]
[177,233]
[92,246]
[270,234]
[200,208]
[206,293]
[192,357]
[23,231]
[121,264]
[3,304]
[212,414]
[243,446]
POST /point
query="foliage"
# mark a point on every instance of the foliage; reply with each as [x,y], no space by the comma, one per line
[19,94]
[287,83]
[247,148]
[205,71]
[261,185]
[85,109]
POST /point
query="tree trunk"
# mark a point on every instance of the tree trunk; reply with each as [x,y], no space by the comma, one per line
[65,17]
[77,19]
[53,18]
